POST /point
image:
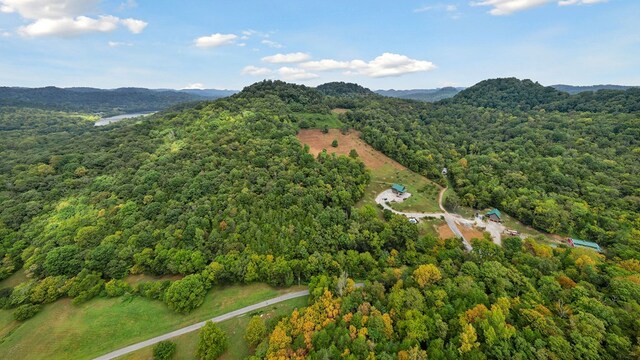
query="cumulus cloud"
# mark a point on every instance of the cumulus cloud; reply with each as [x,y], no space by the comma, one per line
[69,27]
[292,74]
[49,9]
[134,25]
[287,58]
[506,7]
[194,86]
[65,18]
[215,40]
[387,64]
[256,71]
[326,65]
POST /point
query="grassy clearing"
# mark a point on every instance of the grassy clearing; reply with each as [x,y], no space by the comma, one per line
[13,280]
[429,226]
[186,344]
[134,280]
[64,331]
[320,120]
[424,193]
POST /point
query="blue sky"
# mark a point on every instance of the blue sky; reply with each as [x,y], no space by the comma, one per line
[397,44]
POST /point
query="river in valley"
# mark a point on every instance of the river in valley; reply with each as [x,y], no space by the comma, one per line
[112,119]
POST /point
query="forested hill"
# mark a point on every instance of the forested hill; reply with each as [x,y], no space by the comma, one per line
[343,89]
[92,100]
[515,94]
[508,93]
[222,192]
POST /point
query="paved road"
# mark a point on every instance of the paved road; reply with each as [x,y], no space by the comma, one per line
[194,327]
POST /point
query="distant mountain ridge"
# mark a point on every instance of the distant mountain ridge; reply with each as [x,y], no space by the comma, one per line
[571,89]
[428,95]
[107,101]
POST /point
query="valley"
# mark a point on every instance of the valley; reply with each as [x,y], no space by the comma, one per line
[131,231]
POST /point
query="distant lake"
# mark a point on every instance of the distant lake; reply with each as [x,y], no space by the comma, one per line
[112,119]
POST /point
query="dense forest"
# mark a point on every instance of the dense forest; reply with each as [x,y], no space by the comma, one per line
[573,173]
[520,301]
[223,192]
[90,100]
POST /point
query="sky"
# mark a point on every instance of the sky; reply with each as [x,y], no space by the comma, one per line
[399,44]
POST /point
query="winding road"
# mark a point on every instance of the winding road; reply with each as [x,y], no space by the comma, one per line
[452,219]
[194,327]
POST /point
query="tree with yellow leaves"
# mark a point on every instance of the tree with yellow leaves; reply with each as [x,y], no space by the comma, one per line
[468,339]
[426,275]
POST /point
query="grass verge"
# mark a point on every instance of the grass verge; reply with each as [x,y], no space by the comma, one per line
[64,331]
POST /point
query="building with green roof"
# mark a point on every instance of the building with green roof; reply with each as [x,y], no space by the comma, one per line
[398,189]
[583,243]
[494,215]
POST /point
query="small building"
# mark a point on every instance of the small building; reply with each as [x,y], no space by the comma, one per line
[494,215]
[445,171]
[583,243]
[398,189]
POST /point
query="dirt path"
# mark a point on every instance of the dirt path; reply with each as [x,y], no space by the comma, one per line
[389,196]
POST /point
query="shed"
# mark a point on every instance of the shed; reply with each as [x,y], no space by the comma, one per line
[398,189]
[494,215]
[583,243]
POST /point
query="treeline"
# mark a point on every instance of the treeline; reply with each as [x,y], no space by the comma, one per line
[519,301]
[90,100]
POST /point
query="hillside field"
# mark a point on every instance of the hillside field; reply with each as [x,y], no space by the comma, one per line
[384,170]
[65,331]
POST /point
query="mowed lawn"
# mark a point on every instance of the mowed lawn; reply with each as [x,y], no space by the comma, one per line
[235,328]
[384,170]
[66,331]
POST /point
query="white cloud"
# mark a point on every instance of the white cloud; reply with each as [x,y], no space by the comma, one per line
[256,71]
[272,44]
[114,44]
[66,27]
[134,25]
[579,2]
[65,17]
[215,40]
[49,9]
[287,58]
[292,74]
[194,86]
[387,64]
[326,65]
[506,7]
